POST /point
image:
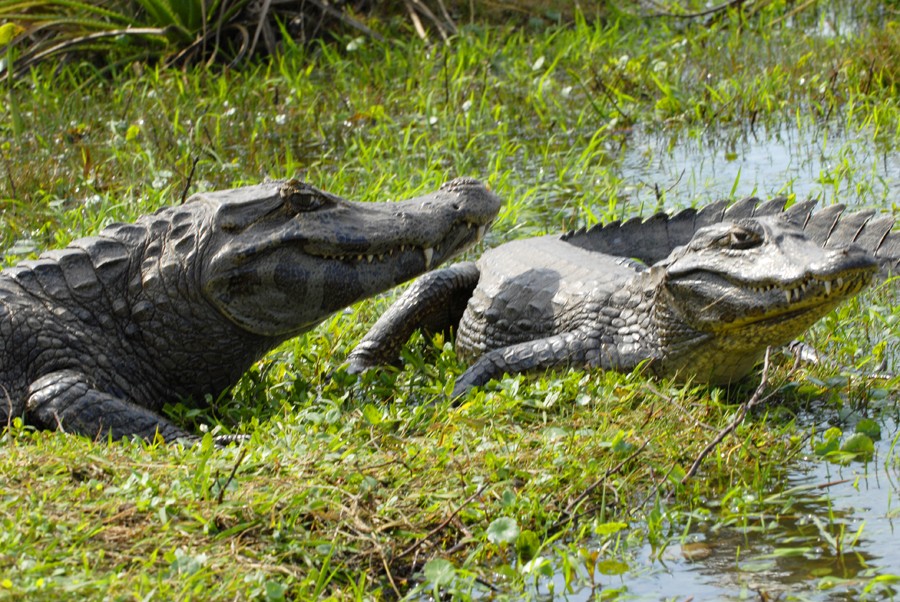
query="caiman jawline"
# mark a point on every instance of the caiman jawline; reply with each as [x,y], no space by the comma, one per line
[794,292]
[427,252]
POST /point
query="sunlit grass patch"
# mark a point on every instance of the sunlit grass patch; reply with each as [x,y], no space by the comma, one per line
[377,486]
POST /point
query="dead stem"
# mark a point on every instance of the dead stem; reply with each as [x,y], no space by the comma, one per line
[754,400]
[443,524]
[568,516]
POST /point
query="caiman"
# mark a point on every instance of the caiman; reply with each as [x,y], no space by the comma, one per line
[697,296]
[98,336]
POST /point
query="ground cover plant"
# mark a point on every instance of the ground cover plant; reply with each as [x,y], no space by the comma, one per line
[375,487]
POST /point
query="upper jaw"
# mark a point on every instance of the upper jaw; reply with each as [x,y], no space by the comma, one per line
[435,226]
[432,253]
[723,302]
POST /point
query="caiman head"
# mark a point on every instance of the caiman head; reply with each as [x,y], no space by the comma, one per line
[284,256]
[740,287]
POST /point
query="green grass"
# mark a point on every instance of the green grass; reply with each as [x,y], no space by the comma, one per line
[374,487]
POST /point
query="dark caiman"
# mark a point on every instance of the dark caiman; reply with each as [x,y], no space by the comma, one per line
[98,336]
[699,296]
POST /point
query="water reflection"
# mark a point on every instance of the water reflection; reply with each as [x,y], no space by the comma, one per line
[827,531]
[832,164]
[639,172]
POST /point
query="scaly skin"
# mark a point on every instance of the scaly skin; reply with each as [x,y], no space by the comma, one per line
[98,336]
[704,311]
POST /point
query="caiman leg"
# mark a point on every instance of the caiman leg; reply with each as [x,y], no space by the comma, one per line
[67,401]
[564,349]
[435,302]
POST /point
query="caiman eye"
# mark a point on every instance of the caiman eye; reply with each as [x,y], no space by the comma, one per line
[305,201]
[740,239]
[300,197]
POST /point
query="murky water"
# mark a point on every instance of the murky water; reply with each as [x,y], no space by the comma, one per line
[649,172]
[835,166]
[829,539]
[827,532]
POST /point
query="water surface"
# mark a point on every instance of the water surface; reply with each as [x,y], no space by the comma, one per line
[826,531]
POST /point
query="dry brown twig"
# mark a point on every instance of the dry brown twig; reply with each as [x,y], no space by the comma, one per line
[445,27]
[573,505]
[754,400]
[702,13]
[443,524]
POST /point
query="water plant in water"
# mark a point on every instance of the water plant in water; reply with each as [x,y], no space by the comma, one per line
[375,487]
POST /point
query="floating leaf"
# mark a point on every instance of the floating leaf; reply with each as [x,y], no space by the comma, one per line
[859,444]
[832,433]
[439,572]
[869,427]
[609,528]
[831,441]
[823,448]
[612,567]
[503,530]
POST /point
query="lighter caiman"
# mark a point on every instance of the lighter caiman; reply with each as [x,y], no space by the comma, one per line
[698,296]
[98,336]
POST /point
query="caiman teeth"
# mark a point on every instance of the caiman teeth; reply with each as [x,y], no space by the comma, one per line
[793,294]
[429,254]
[480,234]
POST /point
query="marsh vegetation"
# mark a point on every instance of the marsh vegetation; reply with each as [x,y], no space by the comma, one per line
[571,484]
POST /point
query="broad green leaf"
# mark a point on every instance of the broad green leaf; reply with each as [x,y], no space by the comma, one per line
[527,545]
[439,571]
[612,567]
[609,528]
[869,427]
[372,414]
[8,32]
[133,132]
[503,530]
[859,444]
[823,448]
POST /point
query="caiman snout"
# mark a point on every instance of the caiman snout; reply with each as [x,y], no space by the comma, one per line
[315,253]
[462,184]
[473,199]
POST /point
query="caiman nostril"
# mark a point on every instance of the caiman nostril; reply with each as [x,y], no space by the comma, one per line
[458,184]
